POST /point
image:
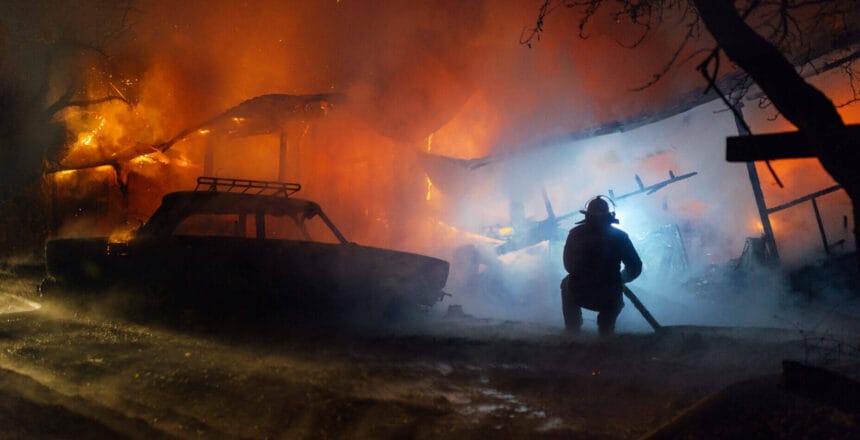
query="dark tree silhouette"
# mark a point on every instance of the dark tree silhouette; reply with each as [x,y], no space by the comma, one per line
[53,55]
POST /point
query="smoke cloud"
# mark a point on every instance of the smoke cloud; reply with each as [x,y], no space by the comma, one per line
[450,79]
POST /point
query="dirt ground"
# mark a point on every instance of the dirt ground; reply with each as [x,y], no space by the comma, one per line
[75,374]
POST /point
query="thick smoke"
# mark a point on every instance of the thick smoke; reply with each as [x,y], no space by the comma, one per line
[450,78]
[712,215]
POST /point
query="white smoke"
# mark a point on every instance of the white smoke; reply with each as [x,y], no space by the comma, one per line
[713,213]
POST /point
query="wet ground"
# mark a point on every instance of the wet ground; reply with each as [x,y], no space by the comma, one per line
[69,373]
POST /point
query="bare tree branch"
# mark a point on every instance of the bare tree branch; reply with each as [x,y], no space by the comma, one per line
[89,102]
[528,36]
[848,70]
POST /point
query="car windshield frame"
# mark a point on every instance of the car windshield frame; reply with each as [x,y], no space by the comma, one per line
[178,206]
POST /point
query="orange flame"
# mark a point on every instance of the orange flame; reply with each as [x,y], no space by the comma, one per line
[121,235]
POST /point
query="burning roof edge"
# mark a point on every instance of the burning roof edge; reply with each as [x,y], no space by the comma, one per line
[683,102]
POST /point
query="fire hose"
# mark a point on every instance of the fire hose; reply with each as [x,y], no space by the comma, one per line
[641,308]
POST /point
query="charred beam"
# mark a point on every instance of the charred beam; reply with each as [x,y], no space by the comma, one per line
[264,114]
[651,189]
[755,182]
[786,145]
[821,227]
[805,198]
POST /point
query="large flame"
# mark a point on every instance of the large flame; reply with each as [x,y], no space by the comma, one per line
[440,78]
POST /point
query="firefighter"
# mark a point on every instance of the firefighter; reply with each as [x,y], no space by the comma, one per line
[593,255]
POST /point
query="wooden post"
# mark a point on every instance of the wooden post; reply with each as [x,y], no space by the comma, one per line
[209,158]
[282,156]
[770,241]
[786,145]
[820,227]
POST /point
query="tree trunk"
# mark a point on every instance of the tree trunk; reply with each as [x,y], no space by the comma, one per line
[23,223]
[799,102]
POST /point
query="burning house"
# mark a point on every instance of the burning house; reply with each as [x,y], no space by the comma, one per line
[421,137]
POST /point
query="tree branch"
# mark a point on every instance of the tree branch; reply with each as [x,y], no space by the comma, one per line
[88,102]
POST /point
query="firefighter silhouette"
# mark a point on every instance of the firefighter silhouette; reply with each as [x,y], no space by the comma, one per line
[593,255]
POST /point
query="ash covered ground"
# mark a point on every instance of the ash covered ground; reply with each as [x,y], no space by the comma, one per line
[80,373]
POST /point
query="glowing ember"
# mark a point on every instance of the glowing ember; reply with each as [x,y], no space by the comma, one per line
[61,175]
[86,139]
[145,159]
[758,227]
[429,187]
[121,235]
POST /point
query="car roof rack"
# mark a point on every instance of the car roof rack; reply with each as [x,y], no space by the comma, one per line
[259,187]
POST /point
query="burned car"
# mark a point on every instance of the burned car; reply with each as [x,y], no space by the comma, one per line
[247,248]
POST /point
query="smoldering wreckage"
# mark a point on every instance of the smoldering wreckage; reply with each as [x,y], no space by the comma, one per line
[74,264]
[242,257]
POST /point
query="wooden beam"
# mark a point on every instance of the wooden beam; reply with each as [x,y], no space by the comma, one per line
[821,227]
[785,145]
[282,156]
[804,199]
[758,194]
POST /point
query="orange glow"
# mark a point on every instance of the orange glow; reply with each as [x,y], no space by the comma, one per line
[754,226]
[145,159]
[759,227]
[59,176]
[468,95]
[469,134]
[360,158]
[122,235]
[104,130]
